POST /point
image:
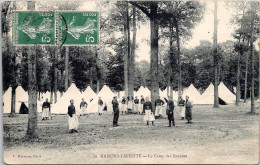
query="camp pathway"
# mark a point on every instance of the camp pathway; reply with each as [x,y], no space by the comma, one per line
[226,134]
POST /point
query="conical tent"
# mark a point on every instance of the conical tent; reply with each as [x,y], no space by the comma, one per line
[7,97]
[193,94]
[207,96]
[92,100]
[20,96]
[107,96]
[61,107]
[225,94]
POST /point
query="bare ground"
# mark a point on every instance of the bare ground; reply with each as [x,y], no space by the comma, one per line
[225,135]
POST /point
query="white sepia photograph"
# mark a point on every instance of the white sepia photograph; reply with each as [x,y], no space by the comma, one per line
[130,81]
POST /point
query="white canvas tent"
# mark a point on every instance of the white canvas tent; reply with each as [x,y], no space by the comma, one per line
[92,100]
[224,94]
[7,100]
[20,96]
[107,96]
[61,107]
[193,94]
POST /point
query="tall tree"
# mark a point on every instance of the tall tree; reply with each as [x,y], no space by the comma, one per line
[151,11]
[215,52]
[66,84]
[127,48]
[32,90]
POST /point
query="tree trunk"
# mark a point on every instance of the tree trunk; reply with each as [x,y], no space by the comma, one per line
[215,51]
[252,70]
[259,71]
[66,68]
[98,70]
[154,26]
[245,92]
[55,76]
[91,77]
[132,57]
[32,90]
[169,91]
[62,80]
[127,48]
[14,75]
[51,96]
[12,113]
[179,61]
[14,85]
[238,77]
[31,132]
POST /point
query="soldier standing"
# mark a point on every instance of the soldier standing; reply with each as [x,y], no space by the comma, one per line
[170,111]
[158,108]
[100,105]
[46,110]
[181,105]
[116,111]
[72,117]
[148,112]
[188,107]
[83,107]
[136,101]
[123,105]
[142,102]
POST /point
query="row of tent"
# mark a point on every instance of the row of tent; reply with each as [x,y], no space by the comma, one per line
[106,94]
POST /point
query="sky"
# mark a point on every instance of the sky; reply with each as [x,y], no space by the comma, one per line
[202,31]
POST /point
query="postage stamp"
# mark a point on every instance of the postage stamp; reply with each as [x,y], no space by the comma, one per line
[77,28]
[33,28]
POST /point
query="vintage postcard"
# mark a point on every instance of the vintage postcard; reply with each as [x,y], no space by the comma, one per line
[130,82]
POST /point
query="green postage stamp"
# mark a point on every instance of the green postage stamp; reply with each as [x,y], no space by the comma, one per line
[56,28]
[78,28]
[32,28]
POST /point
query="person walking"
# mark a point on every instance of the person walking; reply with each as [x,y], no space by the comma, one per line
[188,112]
[115,111]
[72,118]
[182,109]
[148,111]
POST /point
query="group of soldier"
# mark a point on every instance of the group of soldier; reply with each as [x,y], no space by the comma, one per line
[143,107]
[150,113]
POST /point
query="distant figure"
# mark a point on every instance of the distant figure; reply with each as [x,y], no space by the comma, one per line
[181,105]
[129,103]
[148,112]
[83,107]
[46,109]
[142,103]
[100,105]
[72,117]
[158,107]
[136,107]
[170,111]
[123,105]
[188,107]
[116,112]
